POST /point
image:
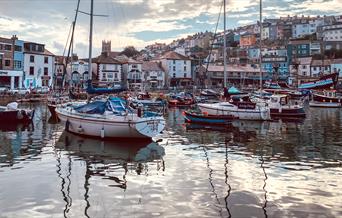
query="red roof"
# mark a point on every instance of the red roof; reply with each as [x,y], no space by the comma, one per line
[151,66]
[171,55]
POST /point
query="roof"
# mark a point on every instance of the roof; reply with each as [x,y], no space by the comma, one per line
[233,68]
[46,52]
[113,54]
[151,66]
[105,59]
[305,61]
[171,55]
[319,63]
[336,61]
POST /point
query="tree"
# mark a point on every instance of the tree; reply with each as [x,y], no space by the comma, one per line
[130,51]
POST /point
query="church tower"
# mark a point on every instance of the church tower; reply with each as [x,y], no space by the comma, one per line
[106,46]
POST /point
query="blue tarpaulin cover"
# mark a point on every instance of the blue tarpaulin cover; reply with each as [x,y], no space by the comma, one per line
[232,90]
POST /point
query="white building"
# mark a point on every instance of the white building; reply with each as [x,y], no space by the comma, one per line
[304,65]
[318,67]
[132,71]
[332,33]
[153,75]
[78,72]
[177,68]
[39,65]
[108,70]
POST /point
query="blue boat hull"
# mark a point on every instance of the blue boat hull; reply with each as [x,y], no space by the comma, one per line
[205,119]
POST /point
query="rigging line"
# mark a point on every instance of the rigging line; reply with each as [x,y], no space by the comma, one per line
[66,43]
[211,47]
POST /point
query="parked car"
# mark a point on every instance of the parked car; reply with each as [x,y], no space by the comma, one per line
[4,89]
[20,91]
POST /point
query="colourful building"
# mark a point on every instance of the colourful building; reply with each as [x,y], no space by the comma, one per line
[248,40]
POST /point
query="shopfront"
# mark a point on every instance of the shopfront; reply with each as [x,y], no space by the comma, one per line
[11,79]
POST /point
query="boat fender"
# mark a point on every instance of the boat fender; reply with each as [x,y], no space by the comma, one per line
[67,124]
[102,133]
[139,112]
[280,110]
[20,115]
[80,129]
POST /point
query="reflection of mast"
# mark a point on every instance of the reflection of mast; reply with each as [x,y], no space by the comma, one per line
[264,187]
[86,187]
[226,181]
[66,197]
[211,180]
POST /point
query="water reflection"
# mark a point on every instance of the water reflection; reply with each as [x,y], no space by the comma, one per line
[246,169]
[109,160]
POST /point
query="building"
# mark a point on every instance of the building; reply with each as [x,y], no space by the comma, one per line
[320,67]
[238,75]
[132,71]
[11,62]
[108,70]
[336,66]
[275,63]
[153,75]
[78,72]
[39,65]
[253,54]
[177,68]
[247,40]
[332,36]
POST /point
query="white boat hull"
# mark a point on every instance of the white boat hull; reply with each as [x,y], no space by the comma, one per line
[259,113]
[325,104]
[102,126]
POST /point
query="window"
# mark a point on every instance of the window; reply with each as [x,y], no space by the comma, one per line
[17,65]
[32,59]
[7,63]
[174,61]
[115,75]
[184,68]
[18,48]
[110,76]
[103,76]
[174,75]
[46,71]
[314,68]
[8,47]
[184,62]
[31,71]
[46,60]
[174,68]
[185,75]
[304,67]
[103,67]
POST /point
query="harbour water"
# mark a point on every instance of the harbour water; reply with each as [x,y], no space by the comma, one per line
[249,169]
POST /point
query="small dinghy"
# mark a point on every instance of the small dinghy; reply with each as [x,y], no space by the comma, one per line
[204,118]
[11,113]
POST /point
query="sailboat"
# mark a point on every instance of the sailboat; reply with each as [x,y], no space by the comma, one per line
[241,110]
[109,117]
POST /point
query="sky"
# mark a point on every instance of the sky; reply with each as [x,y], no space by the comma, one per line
[139,22]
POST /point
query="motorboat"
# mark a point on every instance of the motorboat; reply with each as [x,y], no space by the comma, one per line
[12,114]
[180,100]
[281,106]
[241,109]
[327,98]
[110,118]
[209,93]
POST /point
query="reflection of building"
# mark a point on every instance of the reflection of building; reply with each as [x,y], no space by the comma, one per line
[38,65]
[153,75]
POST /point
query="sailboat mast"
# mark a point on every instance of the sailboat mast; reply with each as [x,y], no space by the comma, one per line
[90,38]
[224,44]
[260,45]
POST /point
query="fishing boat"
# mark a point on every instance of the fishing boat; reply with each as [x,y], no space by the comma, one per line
[281,106]
[110,118]
[244,110]
[204,118]
[181,100]
[324,82]
[327,98]
[12,114]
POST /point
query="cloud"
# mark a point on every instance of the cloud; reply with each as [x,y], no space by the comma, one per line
[138,22]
